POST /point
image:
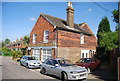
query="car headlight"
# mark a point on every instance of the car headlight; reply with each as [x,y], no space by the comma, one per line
[73,72]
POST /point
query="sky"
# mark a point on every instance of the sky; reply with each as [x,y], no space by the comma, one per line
[18,18]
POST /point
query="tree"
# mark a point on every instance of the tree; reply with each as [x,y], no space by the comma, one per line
[7,41]
[26,40]
[109,40]
[104,26]
[116,16]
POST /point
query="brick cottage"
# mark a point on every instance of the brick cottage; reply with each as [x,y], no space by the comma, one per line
[53,37]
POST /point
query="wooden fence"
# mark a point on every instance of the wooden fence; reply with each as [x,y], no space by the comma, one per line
[118,60]
[114,60]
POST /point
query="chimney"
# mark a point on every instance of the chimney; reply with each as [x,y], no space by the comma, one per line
[70,15]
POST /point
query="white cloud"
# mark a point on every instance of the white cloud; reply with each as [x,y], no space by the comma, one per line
[32,19]
[90,10]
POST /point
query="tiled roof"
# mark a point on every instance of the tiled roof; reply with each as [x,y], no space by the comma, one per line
[62,24]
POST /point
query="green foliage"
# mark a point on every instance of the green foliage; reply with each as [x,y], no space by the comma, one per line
[26,40]
[23,51]
[17,54]
[2,44]
[116,16]
[6,52]
[104,26]
[7,41]
[109,40]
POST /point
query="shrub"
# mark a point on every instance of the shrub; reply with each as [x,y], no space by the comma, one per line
[6,52]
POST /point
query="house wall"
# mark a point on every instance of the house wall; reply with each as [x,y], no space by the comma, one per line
[71,39]
[67,43]
[42,25]
[69,46]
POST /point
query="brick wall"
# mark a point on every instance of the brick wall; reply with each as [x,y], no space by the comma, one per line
[71,53]
[71,39]
[42,25]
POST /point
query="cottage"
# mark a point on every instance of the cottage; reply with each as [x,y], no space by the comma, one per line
[53,37]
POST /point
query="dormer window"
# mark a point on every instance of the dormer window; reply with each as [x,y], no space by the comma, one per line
[81,39]
[34,38]
[46,36]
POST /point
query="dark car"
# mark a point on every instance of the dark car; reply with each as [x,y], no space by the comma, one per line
[89,63]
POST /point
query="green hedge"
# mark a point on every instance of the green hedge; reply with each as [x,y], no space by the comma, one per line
[6,52]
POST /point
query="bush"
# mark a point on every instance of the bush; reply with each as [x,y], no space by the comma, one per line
[17,54]
[6,52]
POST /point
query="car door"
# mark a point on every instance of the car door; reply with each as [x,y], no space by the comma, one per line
[56,68]
[24,61]
[93,64]
[48,66]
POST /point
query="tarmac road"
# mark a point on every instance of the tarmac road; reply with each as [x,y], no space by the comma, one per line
[11,70]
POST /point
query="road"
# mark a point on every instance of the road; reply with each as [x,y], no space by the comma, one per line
[12,70]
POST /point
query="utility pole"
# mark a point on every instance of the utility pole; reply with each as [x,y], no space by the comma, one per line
[118,61]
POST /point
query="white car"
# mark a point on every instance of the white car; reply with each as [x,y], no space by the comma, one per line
[30,62]
[63,69]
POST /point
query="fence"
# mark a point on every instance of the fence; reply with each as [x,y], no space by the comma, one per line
[114,60]
[118,68]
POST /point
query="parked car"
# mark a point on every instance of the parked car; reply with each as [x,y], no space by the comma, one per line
[89,63]
[30,62]
[63,69]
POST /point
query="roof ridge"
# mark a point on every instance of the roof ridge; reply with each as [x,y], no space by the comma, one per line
[52,16]
[61,19]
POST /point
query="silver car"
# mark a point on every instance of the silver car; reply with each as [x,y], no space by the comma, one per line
[30,62]
[64,69]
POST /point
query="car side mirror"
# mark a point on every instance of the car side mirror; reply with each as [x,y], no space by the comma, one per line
[56,65]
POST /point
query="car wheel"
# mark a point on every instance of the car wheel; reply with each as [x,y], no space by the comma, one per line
[43,71]
[88,70]
[64,77]
[21,63]
[27,66]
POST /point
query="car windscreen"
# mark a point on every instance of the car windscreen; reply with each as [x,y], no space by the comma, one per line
[84,60]
[31,58]
[65,63]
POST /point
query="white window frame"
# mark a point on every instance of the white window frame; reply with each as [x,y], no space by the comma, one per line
[36,53]
[46,53]
[82,37]
[86,54]
[34,38]
[45,36]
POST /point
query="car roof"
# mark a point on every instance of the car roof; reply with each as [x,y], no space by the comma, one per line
[27,56]
[56,59]
[87,58]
